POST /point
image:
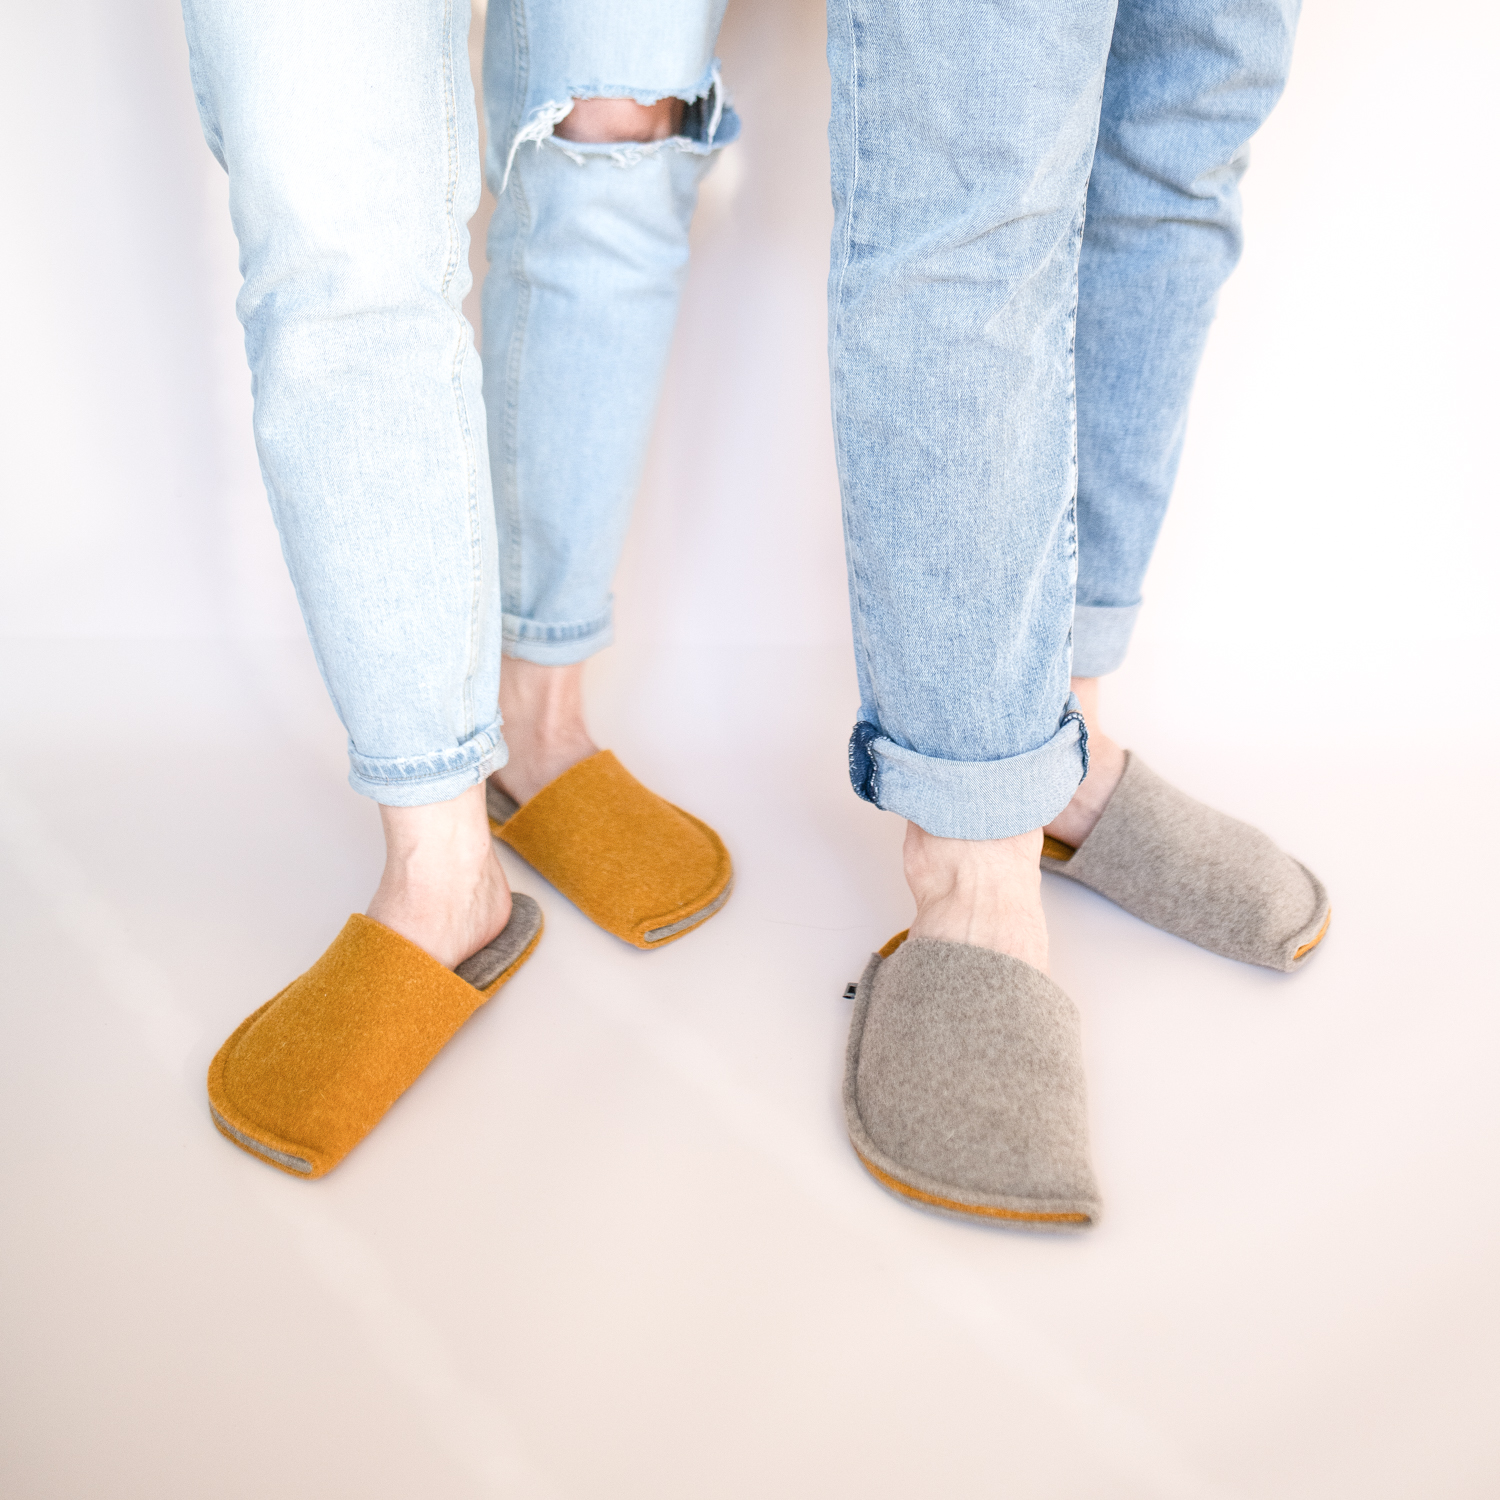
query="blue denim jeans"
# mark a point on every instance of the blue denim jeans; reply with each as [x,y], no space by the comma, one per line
[1010,377]
[1035,208]
[351,142]
[588,248]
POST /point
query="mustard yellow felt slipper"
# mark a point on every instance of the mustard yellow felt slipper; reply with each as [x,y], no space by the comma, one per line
[311,1073]
[627,859]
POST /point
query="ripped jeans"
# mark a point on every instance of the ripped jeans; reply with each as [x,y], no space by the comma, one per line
[587,248]
[349,134]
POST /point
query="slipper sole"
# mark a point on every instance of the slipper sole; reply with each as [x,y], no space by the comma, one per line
[963,1210]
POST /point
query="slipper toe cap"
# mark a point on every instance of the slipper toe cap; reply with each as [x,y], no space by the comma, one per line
[1196,872]
[631,861]
[964,1087]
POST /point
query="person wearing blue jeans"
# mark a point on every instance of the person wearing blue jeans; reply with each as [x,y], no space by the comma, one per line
[438,512]
[1035,206]
[434,515]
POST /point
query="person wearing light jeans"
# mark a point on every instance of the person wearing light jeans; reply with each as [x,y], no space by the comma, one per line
[1036,206]
[435,515]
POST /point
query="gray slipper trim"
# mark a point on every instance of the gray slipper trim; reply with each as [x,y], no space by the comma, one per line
[661,934]
[1198,873]
[499,805]
[964,1080]
[295,1163]
[485,967]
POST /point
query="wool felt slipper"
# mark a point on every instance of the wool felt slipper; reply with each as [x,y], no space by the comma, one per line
[310,1074]
[627,859]
[963,1086]
[1198,873]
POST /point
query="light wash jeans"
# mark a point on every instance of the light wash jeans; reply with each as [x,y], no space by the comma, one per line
[587,248]
[1011,374]
[351,142]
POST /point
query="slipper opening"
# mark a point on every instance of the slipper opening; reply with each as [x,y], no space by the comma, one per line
[482,969]
[500,806]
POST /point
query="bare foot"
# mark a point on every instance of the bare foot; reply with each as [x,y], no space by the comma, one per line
[442,886]
[987,892]
[1106,766]
[542,710]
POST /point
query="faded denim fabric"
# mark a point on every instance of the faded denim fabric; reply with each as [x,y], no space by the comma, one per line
[986,492]
[351,142]
[588,250]
[349,134]
[1188,83]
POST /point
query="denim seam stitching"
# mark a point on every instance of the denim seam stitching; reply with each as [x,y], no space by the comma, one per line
[511,581]
[856,589]
[471,467]
[1077,250]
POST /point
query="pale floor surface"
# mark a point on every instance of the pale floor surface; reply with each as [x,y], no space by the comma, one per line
[615,1243]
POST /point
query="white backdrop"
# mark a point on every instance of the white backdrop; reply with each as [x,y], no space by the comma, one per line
[662,1273]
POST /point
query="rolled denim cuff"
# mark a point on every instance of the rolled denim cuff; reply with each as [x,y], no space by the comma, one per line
[972,799]
[1101,637]
[416,780]
[556,645]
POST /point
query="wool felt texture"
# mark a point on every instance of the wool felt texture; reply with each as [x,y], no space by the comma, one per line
[963,1086]
[309,1075]
[1197,873]
[627,859]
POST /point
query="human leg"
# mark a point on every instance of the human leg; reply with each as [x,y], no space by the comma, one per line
[351,207]
[351,146]
[588,250]
[959,210]
[543,702]
[350,204]
[602,124]
[959,203]
[1188,83]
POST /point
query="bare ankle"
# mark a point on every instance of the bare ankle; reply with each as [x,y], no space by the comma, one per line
[542,710]
[1106,766]
[442,886]
[984,891]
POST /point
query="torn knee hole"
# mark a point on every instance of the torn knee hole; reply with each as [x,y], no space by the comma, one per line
[603,121]
[627,131]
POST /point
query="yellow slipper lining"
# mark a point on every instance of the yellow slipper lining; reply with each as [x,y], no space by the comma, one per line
[1307,948]
[954,1206]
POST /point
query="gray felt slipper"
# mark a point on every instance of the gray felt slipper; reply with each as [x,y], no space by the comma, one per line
[963,1086]
[1198,873]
